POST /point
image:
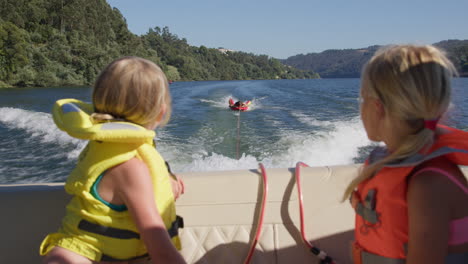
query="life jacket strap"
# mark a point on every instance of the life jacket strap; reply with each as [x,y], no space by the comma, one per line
[105,257]
[369,258]
[113,232]
[87,226]
[174,229]
[169,170]
[363,257]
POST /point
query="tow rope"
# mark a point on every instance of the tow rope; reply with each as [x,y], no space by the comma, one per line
[238,135]
[262,214]
[322,255]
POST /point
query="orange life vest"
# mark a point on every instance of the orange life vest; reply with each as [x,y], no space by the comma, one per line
[381,230]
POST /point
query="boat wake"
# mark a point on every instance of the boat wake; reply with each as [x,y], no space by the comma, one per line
[38,125]
[336,142]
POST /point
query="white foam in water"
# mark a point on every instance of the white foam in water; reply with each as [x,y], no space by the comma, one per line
[40,126]
[255,104]
[338,144]
[309,120]
[223,102]
[217,162]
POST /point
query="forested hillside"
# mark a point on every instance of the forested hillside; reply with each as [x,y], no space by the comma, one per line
[457,51]
[67,42]
[349,62]
[345,63]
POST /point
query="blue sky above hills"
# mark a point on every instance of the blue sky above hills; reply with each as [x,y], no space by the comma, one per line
[285,28]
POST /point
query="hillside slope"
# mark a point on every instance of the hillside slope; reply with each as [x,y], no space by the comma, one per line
[349,62]
[68,42]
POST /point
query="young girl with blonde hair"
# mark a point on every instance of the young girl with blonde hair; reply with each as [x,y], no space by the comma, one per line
[410,198]
[122,209]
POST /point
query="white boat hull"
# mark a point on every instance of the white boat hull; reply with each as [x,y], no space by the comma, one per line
[220,211]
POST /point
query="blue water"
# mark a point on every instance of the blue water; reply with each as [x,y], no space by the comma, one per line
[314,121]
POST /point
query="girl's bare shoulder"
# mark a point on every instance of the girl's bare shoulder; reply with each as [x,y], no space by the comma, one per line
[129,171]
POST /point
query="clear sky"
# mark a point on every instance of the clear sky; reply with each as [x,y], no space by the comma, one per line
[289,27]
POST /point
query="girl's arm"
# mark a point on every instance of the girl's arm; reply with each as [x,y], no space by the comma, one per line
[429,216]
[134,186]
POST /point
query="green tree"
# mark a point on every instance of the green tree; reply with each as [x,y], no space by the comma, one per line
[13,50]
[68,42]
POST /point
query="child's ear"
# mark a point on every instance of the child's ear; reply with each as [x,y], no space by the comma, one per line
[163,112]
[379,108]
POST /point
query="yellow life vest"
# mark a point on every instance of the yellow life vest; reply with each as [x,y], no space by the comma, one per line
[91,228]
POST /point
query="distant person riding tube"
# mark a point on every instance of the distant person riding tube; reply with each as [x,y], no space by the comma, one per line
[239,105]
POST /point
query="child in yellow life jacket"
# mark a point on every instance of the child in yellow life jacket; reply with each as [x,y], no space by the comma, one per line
[122,209]
[410,197]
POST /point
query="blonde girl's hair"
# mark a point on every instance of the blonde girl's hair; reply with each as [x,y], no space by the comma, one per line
[132,89]
[413,85]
